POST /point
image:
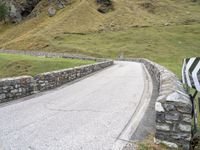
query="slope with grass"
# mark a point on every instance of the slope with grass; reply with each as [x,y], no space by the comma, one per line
[82,17]
[16,65]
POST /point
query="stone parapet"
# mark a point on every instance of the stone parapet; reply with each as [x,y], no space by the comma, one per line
[18,87]
[173,107]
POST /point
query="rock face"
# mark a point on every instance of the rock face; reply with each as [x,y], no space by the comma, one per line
[28,6]
[14,13]
[19,9]
[106,6]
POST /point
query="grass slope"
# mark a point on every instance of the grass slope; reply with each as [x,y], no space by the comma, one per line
[16,65]
[165,45]
[83,17]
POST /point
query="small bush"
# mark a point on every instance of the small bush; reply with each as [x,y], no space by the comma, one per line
[3,12]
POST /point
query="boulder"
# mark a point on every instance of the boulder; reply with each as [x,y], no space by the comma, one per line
[106,6]
[14,14]
[51,12]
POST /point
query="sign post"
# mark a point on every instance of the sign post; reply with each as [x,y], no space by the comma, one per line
[191,78]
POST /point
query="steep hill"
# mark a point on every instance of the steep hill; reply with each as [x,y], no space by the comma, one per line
[82,17]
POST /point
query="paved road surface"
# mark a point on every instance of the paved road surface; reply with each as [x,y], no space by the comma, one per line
[99,112]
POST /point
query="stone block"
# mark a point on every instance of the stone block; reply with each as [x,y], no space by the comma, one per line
[172,116]
[160,117]
[159,107]
[169,107]
[163,127]
[2,96]
[14,91]
[185,127]
[169,144]
[187,118]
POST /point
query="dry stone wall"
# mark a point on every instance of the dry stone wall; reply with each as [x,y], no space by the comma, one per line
[53,79]
[173,108]
[13,88]
[50,54]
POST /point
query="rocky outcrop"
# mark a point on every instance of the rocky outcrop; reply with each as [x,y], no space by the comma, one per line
[105,6]
[19,9]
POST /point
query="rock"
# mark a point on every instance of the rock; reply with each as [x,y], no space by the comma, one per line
[19,9]
[60,4]
[51,12]
[181,136]
[163,127]
[14,91]
[184,127]
[178,98]
[2,96]
[158,107]
[106,6]
[169,107]
[187,118]
[169,144]
[15,16]
[173,117]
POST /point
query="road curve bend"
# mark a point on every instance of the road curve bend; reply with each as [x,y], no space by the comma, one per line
[99,112]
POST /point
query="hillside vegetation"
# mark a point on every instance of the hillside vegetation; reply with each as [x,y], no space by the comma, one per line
[81,16]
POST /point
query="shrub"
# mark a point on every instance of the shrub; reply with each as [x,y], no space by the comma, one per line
[3,12]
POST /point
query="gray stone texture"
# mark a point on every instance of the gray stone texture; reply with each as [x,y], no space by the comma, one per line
[173,107]
[14,88]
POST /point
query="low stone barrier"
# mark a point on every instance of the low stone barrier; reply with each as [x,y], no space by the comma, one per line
[53,79]
[173,108]
[50,54]
[14,88]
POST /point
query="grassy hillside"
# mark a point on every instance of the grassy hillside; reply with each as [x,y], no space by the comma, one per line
[166,45]
[16,65]
[82,17]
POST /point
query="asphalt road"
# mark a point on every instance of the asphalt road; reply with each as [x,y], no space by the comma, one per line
[100,112]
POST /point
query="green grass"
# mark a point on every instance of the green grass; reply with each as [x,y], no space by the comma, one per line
[165,45]
[16,65]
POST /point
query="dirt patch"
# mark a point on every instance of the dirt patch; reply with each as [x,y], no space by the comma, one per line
[148,5]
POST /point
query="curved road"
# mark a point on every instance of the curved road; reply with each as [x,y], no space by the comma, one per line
[99,112]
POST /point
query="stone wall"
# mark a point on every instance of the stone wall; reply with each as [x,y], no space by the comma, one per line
[173,108]
[50,54]
[53,79]
[14,88]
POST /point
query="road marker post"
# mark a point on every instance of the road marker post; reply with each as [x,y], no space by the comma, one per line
[191,79]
